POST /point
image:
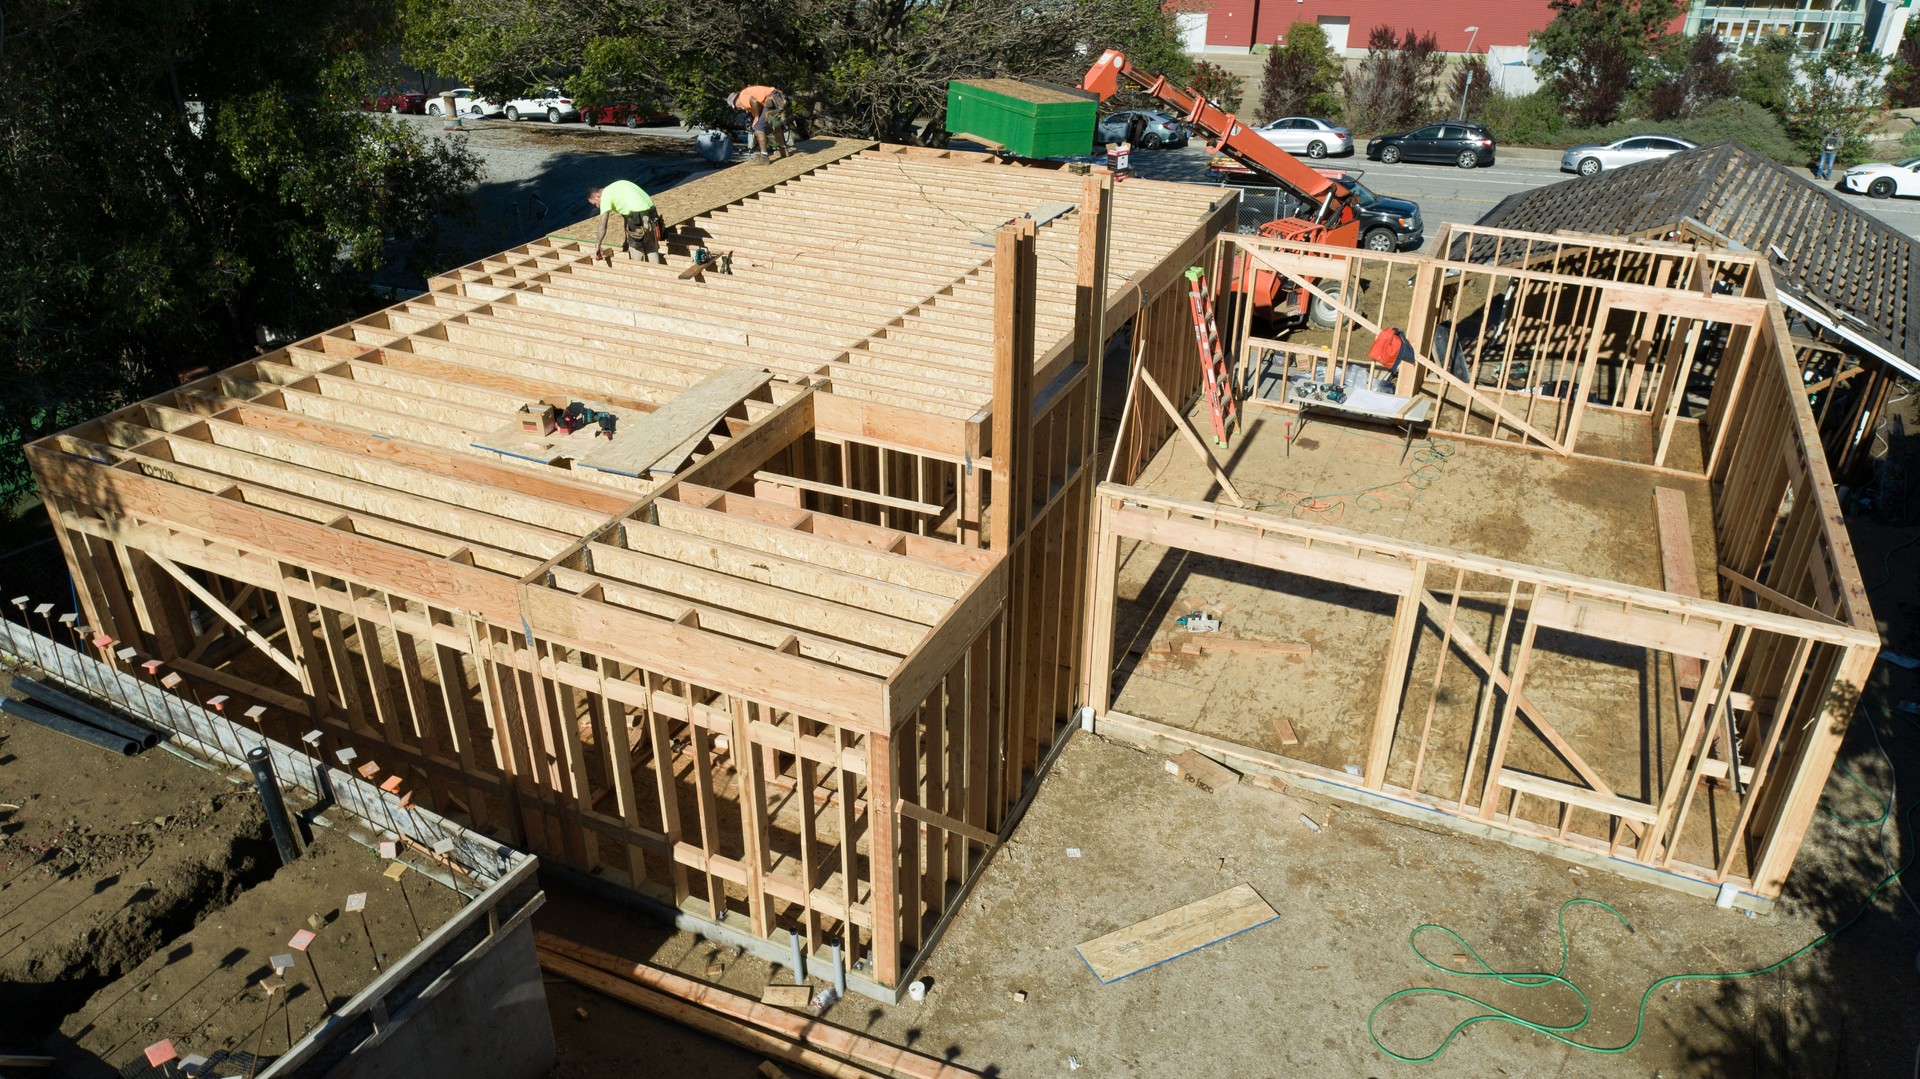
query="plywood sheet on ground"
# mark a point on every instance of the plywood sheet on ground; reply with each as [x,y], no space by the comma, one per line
[1171,935]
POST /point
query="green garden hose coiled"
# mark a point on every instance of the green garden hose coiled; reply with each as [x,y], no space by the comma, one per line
[1539,980]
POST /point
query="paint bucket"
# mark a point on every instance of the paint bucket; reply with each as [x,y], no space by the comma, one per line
[917,989]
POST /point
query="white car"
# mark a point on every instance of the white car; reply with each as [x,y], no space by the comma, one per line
[1306,135]
[553,103]
[466,102]
[1592,160]
[1880,179]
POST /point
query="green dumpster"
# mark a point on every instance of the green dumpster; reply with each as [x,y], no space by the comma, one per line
[1024,118]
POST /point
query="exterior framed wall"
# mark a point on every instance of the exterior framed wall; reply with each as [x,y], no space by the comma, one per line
[1762,677]
[795,682]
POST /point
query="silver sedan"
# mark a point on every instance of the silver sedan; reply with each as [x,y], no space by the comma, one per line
[1307,136]
[1592,160]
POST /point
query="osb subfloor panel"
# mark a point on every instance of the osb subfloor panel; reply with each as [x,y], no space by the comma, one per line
[687,201]
[1594,518]
[1614,704]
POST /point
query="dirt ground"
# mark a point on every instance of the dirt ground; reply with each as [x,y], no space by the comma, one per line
[1293,997]
[141,899]
[1584,516]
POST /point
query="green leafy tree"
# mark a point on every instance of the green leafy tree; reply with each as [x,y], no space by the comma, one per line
[181,175]
[1903,79]
[1839,89]
[1597,51]
[1533,119]
[1302,75]
[1218,85]
[1394,85]
[1693,74]
[1765,74]
[1471,86]
[856,67]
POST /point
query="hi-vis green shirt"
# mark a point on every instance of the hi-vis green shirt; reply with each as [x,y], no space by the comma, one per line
[624,197]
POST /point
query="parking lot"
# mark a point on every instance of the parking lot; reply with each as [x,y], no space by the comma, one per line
[1456,195]
[537,175]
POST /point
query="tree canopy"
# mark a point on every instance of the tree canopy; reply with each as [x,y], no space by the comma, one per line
[1393,85]
[1597,52]
[855,67]
[1838,89]
[1302,75]
[181,174]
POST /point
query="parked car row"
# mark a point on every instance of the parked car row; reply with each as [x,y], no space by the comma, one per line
[395,99]
[466,102]
[554,105]
[1591,160]
[1307,136]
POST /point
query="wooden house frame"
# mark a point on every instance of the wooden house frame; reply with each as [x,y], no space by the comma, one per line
[787,655]
[1763,676]
[1847,279]
[789,661]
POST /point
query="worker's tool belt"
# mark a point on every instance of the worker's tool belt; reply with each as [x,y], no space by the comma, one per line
[643,230]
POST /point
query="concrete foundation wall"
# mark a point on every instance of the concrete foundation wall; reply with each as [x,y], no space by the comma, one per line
[487,1016]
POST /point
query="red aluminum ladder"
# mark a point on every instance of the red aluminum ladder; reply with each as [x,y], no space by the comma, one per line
[1214,379]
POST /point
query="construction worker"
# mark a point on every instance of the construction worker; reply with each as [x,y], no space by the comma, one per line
[767,110]
[626,198]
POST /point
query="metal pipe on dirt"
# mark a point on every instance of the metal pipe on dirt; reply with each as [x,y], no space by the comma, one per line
[261,763]
[72,728]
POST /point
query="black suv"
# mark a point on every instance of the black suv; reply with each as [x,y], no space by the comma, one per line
[1386,224]
[1449,142]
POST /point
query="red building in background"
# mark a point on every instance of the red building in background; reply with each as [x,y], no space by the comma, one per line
[1241,24]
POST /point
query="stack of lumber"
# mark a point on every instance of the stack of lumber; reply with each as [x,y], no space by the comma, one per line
[795,1039]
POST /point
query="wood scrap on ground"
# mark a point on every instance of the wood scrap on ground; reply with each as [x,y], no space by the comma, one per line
[1202,771]
[1274,788]
[1285,731]
[1168,936]
[786,996]
[799,1040]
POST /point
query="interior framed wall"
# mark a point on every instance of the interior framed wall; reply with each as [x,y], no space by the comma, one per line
[1752,683]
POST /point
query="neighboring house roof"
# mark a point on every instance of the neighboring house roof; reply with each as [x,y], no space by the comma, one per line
[1831,261]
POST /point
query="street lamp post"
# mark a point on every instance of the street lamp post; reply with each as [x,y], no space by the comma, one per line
[1473,33]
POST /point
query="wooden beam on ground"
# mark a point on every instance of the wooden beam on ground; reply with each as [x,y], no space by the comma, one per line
[1167,936]
[824,1040]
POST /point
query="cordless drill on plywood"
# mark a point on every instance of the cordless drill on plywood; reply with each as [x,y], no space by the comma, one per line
[578,415]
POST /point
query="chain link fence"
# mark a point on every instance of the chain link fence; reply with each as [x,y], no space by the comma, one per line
[1259,205]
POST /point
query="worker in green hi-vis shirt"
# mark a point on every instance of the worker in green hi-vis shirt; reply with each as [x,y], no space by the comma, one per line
[624,197]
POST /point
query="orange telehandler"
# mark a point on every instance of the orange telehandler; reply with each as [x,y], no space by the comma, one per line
[1335,219]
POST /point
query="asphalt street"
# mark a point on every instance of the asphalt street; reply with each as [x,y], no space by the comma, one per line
[1445,193]
[1461,196]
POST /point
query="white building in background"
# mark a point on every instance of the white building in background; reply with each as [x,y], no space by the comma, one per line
[1812,24]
